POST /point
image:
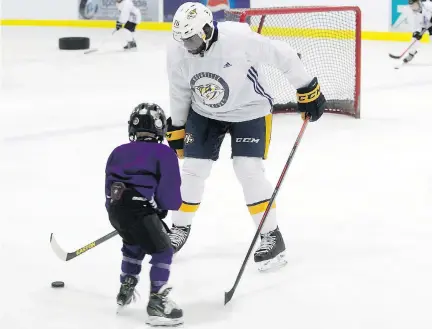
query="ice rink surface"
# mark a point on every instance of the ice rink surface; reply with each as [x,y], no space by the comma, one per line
[355,208]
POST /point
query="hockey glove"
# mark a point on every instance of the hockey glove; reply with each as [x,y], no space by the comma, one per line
[417,35]
[175,137]
[118,25]
[311,102]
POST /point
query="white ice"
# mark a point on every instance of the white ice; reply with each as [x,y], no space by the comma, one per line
[355,208]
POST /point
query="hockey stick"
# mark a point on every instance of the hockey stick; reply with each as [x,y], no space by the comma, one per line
[93,50]
[229,294]
[63,255]
[409,47]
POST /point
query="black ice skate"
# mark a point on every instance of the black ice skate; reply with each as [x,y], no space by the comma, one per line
[131,45]
[410,57]
[178,236]
[271,252]
[127,293]
[162,311]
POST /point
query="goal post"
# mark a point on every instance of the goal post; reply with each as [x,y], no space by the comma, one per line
[328,40]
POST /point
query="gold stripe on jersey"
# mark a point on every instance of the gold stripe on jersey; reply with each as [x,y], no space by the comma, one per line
[189,207]
[259,207]
[268,131]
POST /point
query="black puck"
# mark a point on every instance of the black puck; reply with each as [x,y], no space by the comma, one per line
[57,284]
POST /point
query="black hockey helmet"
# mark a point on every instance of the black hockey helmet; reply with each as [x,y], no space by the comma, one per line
[147,121]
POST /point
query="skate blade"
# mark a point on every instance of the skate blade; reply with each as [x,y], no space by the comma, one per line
[157,321]
[120,309]
[273,264]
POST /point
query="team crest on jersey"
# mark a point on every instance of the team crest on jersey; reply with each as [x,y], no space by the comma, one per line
[210,88]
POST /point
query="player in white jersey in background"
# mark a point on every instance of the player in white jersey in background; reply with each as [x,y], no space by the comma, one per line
[215,88]
[130,16]
[422,22]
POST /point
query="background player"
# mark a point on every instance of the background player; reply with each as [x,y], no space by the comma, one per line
[142,178]
[130,16]
[422,22]
[216,88]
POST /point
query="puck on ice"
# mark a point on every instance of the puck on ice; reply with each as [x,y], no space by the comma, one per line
[57,284]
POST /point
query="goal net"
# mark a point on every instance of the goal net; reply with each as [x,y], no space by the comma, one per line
[328,42]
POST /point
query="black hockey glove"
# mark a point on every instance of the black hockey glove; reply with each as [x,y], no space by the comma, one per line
[175,137]
[118,26]
[417,35]
[311,102]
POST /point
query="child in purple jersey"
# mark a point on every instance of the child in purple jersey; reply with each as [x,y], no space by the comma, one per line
[142,183]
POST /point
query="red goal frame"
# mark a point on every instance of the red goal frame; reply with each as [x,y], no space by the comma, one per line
[243,14]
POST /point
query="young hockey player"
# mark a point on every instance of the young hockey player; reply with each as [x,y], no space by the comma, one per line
[142,184]
[422,22]
[216,88]
[130,16]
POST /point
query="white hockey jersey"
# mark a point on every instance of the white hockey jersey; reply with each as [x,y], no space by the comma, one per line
[423,20]
[128,12]
[226,84]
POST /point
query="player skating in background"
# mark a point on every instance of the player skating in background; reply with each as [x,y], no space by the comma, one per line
[130,16]
[142,183]
[215,89]
[422,22]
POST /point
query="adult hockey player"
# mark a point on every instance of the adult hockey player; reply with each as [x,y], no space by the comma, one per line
[216,88]
[130,16]
[422,22]
[142,184]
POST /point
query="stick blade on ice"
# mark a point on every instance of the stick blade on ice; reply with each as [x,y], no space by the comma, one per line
[395,56]
[57,249]
[228,296]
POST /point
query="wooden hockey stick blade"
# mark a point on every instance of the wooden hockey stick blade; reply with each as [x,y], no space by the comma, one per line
[66,256]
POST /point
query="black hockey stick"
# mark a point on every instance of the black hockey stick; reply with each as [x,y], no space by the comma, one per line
[229,294]
[63,255]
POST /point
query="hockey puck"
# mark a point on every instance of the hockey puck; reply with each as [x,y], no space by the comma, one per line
[74,43]
[57,284]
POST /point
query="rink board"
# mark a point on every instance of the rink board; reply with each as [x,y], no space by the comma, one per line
[158,26]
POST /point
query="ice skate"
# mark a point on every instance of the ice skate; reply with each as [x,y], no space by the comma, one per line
[179,236]
[131,45]
[162,311]
[127,293]
[410,57]
[271,252]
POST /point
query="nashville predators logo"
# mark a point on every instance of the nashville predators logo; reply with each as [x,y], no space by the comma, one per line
[210,89]
[192,14]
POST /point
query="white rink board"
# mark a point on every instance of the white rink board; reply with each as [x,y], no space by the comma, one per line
[376,14]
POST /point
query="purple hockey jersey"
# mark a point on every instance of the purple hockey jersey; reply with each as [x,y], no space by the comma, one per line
[149,167]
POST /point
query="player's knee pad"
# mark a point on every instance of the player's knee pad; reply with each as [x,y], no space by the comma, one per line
[196,168]
[247,168]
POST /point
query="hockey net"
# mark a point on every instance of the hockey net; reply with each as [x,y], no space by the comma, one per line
[328,42]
